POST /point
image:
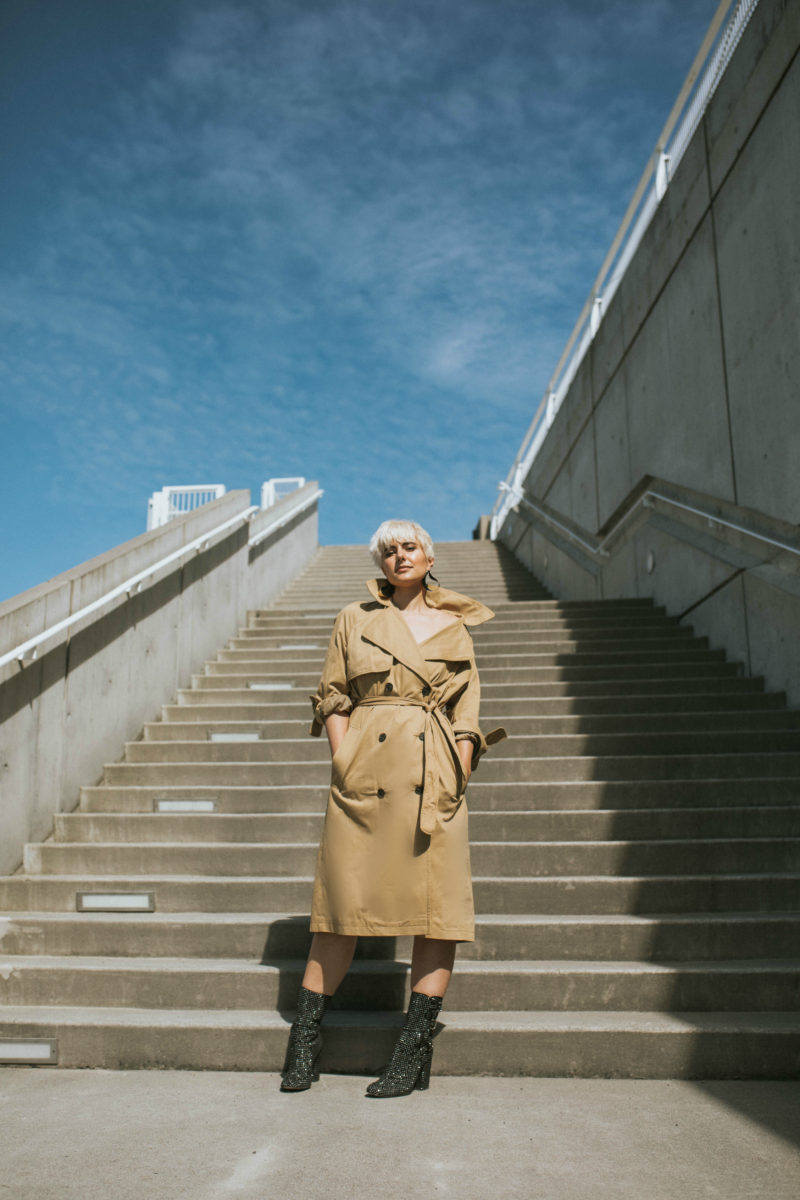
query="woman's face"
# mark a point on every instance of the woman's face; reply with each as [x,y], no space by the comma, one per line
[405,563]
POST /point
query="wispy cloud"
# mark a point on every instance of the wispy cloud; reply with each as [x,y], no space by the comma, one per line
[290,220]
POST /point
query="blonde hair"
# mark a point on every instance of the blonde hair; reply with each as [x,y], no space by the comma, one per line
[390,532]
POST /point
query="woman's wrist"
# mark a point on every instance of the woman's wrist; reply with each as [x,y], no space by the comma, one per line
[336,726]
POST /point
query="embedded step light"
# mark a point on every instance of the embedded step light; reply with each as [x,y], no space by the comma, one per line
[115,902]
[28,1051]
[235,736]
[271,687]
[299,646]
[187,805]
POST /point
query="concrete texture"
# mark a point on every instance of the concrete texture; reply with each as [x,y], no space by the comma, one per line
[694,373]
[91,687]
[81,1135]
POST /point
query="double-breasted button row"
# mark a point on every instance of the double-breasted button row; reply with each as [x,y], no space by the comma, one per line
[418,790]
[381,793]
[389,688]
[381,737]
[426,691]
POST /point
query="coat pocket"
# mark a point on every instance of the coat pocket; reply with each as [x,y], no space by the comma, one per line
[344,754]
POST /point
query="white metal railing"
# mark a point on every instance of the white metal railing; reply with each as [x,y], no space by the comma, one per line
[285,517]
[27,651]
[175,500]
[597,546]
[275,489]
[692,101]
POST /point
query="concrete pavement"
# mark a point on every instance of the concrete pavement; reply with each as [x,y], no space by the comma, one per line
[128,1135]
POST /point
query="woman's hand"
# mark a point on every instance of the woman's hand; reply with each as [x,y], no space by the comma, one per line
[336,726]
[465,750]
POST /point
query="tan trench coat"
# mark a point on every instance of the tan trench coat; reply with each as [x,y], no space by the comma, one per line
[394,855]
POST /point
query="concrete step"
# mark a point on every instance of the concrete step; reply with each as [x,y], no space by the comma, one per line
[693,723]
[684,937]
[500,683]
[502,644]
[607,1044]
[573,608]
[578,894]
[534,653]
[483,796]
[493,770]
[499,986]
[500,632]
[210,690]
[673,653]
[515,616]
[708,706]
[516,745]
[554,826]
[723,856]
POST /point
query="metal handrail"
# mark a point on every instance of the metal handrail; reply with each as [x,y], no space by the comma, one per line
[597,548]
[761,537]
[660,167]
[551,520]
[129,587]
[285,518]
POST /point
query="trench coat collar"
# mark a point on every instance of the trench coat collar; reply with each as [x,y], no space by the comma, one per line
[471,611]
[387,629]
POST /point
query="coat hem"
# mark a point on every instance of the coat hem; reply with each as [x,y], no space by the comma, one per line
[420,928]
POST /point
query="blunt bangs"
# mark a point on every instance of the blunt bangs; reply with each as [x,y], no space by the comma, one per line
[391,532]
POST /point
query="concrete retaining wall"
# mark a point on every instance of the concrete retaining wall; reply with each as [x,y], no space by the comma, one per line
[92,688]
[694,374]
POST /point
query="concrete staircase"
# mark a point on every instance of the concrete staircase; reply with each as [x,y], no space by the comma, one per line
[635,850]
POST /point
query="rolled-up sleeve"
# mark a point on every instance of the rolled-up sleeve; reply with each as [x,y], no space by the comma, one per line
[331,695]
[464,716]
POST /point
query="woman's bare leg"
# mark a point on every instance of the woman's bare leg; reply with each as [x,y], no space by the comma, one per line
[328,959]
[432,965]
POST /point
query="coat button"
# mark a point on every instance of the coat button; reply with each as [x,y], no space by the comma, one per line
[388,688]
[381,793]
[426,691]
[381,737]
[418,790]
[422,737]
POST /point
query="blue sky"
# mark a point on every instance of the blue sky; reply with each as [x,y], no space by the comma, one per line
[339,238]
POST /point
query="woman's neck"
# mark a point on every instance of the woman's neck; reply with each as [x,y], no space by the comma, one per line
[409,598]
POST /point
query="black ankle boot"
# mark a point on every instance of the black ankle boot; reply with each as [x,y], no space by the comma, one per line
[410,1064]
[305,1042]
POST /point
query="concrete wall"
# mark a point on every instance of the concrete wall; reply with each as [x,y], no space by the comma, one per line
[694,374]
[92,688]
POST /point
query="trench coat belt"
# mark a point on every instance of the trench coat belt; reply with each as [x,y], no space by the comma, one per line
[438,735]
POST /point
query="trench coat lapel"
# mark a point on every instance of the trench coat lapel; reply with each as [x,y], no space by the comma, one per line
[387,629]
[451,644]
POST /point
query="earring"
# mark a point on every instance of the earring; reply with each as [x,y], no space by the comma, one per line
[430,580]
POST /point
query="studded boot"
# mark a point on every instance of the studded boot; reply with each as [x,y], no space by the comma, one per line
[410,1064]
[305,1042]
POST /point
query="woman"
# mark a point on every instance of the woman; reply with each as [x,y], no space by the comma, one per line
[399,700]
